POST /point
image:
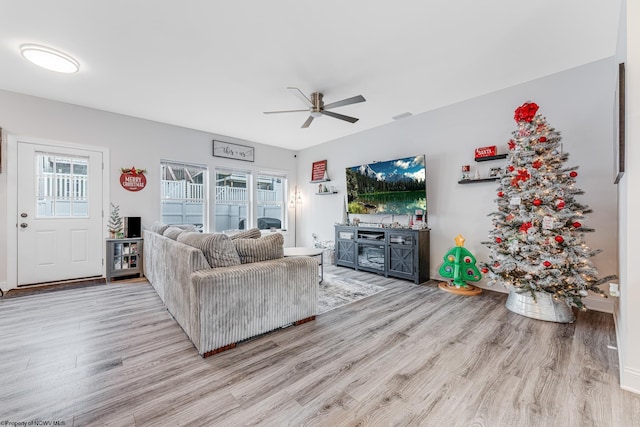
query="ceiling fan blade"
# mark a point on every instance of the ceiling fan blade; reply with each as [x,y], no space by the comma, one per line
[308,122]
[298,93]
[348,101]
[339,116]
[285,111]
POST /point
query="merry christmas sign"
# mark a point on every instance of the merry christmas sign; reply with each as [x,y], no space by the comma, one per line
[133,179]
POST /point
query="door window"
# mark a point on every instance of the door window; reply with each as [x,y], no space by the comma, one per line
[62,186]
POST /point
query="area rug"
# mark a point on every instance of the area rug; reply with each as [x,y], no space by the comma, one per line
[336,291]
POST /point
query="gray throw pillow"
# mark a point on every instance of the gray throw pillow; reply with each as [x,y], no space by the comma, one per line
[252,233]
[173,232]
[159,228]
[216,247]
[263,249]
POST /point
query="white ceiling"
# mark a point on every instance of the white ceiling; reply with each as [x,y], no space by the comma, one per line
[217,65]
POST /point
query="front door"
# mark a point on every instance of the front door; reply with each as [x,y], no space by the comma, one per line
[59,213]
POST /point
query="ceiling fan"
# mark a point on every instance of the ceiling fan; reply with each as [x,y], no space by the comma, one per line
[317,107]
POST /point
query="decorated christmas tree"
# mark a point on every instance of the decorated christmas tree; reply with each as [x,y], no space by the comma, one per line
[537,243]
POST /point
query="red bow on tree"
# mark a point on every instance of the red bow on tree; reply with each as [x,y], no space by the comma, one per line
[526,112]
[523,175]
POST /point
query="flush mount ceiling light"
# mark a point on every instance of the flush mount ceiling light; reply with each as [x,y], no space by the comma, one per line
[49,58]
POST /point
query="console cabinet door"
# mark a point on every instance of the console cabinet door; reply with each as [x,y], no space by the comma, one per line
[402,254]
[346,253]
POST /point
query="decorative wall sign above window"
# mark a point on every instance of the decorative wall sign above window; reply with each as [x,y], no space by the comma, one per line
[233,151]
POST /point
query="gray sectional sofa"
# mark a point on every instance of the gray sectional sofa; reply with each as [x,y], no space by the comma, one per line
[222,290]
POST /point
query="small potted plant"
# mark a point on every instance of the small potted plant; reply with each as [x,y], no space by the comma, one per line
[115,222]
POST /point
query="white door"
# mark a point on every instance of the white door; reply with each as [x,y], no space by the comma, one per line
[59,215]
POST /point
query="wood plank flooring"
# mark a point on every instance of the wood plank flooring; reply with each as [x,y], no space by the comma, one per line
[408,356]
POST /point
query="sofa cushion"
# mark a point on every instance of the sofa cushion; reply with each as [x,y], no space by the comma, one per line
[173,232]
[159,228]
[252,233]
[216,247]
[263,249]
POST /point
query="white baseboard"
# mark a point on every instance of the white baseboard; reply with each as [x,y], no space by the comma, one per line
[630,380]
[599,304]
[3,286]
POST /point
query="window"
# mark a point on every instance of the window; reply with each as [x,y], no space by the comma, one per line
[239,195]
[184,194]
[62,186]
[232,200]
[270,201]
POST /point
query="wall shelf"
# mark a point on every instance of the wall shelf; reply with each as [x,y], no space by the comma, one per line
[325,193]
[472,181]
[496,157]
[319,180]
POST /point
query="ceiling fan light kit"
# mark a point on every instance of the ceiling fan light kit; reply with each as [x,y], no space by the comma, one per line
[317,107]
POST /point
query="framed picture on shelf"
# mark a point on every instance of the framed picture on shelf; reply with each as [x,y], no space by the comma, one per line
[319,171]
[495,172]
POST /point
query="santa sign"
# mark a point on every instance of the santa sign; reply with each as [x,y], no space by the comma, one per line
[133,179]
[486,151]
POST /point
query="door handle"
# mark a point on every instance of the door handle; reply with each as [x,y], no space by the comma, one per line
[24,225]
[23,215]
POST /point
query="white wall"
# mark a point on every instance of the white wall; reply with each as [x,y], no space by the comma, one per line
[577,102]
[628,312]
[131,142]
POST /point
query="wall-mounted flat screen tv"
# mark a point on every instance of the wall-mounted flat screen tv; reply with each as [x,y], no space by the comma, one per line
[391,187]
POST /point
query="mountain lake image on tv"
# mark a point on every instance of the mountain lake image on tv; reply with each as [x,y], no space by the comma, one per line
[391,187]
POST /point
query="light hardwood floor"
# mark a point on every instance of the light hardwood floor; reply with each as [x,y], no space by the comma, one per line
[411,355]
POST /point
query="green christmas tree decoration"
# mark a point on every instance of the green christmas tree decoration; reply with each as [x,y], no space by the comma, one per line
[460,265]
[537,242]
[115,221]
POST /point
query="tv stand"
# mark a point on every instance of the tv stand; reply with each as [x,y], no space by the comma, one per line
[395,252]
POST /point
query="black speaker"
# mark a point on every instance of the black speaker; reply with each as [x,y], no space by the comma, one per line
[132,226]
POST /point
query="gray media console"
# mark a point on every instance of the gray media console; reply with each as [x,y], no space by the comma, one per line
[395,252]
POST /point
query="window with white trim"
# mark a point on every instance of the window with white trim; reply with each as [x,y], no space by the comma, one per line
[245,201]
[184,194]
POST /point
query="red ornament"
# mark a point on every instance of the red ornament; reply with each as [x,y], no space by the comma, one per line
[526,112]
[547,264]
[537,202]
[577,224]
[485,270]
[543,139]
[560,203]
[512,144]
[559,239]
[498,240]
[510,168]
[573,174]
[496,264]
[537,164]
[525,227]
[500,194]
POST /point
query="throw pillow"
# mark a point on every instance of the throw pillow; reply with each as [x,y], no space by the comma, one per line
[263,249]
[173,232]
[216,247]
[159,228]
[252,233]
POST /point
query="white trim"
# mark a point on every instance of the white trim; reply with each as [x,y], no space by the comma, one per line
[597,303]
[12,197]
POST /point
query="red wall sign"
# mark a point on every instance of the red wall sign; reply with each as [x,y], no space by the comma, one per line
[486,151]
[133,179]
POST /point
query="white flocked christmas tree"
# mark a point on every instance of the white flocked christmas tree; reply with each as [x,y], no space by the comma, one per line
[537,243]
